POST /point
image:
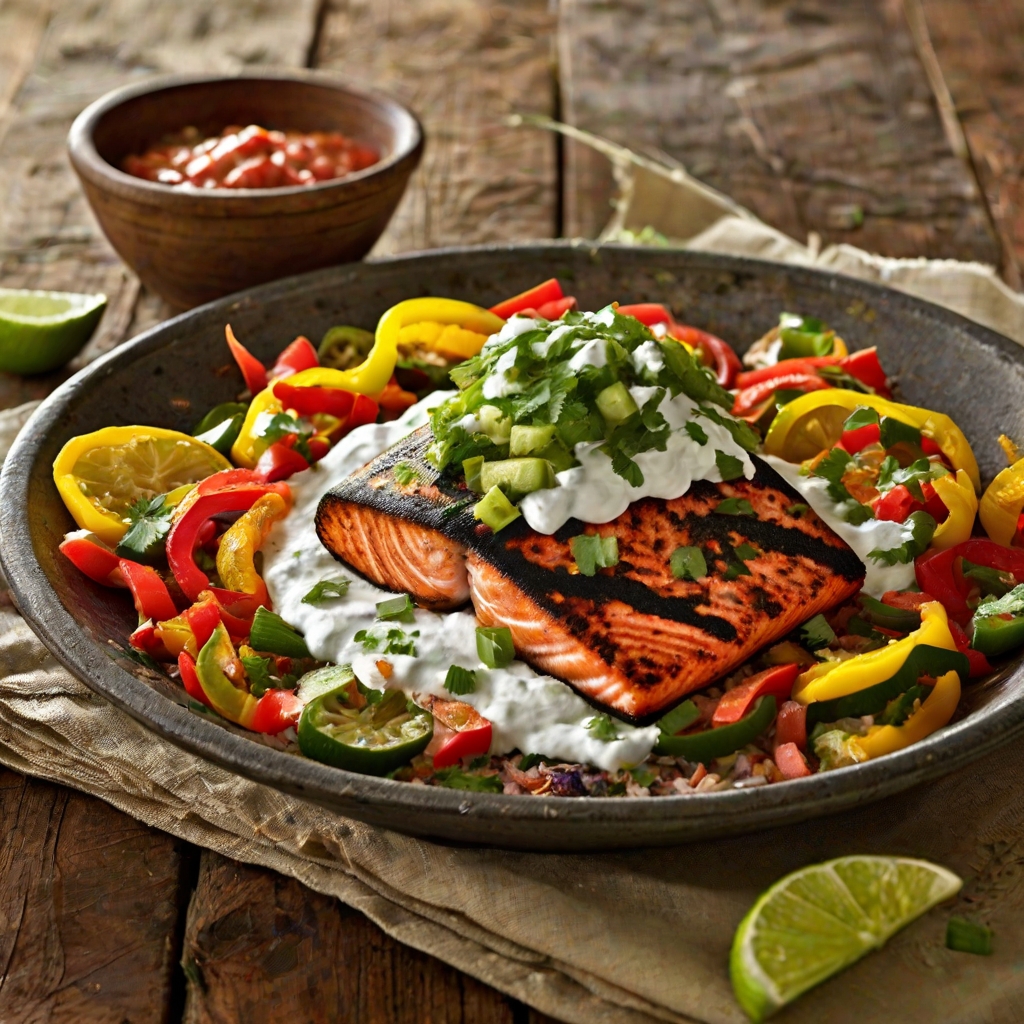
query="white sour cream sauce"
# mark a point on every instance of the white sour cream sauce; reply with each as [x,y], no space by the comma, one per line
[875,534]
[527,711]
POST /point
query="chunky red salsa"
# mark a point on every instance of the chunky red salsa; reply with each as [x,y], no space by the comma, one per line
[251,157]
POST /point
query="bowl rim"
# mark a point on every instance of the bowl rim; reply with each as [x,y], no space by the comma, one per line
[550,819]
[89,163]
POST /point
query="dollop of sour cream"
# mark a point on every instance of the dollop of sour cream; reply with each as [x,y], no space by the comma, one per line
[873,535]
[529,712]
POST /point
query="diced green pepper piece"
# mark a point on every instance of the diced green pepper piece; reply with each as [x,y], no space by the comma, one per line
[995,635]
[224,434]
[968,937]
[495,510]
[615,404]
[524,440]
[235,704]
[558,455]
[517,477]
[494,423]
[471,467]
[272,634]
[219,414]
[900,620]
[726,739]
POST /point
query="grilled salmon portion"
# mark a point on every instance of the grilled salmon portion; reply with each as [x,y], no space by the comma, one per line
[633,638]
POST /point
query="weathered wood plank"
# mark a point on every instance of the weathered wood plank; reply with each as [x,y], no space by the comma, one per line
[89,910]
[463,68]
[260,947]
[980,51]
[816,114]
[48,238]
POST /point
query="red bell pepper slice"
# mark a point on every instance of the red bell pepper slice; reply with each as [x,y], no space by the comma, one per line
[935,572]
[190,678]
[750,398]
[203,618]
[791,762]
[145,639]
[276,710]
[298,356]
[279,462]
[865,367]
[933,504]
[237,605]
[807,365]
[97,562]
[556,308]
[253,371]
[718,353]
[791,724]
[181,541]
[225,479]
[532,298]
[859,438]
[308,401]
[149,592]
[364,411]
[895,505]
[735,703]
[979,664]
[648,313]
[460,731]
[318,447]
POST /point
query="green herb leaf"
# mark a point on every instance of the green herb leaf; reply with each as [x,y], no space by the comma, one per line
[494,646]
[258,671]
[150,520]
[862,416]
[729,466]
[456,778]
[370,641]
[746,551]
[688,563]
[1009,604]
[734,569]
[917,531]
[798,509]
[696,432]
[735,507]
[459,681]
[641,776]
[395,641]
[893,431]
[529,760]
[602,728]
[397,609]
[326,589]
[592,552]
[405,473]
[817,633]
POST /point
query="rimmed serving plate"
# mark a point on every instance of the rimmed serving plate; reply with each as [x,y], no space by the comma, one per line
[171,374]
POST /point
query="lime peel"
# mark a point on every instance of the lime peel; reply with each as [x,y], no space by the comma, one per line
[40,331]
[824,917]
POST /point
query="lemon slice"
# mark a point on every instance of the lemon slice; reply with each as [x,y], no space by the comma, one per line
[40,331]
[825,917]
[99,475]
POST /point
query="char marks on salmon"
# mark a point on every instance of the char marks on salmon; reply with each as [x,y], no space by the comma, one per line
[632,638]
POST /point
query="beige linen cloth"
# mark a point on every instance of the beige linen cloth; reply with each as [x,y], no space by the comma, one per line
[631,937]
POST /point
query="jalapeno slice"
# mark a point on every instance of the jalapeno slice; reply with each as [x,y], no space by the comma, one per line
[372,740]
[345,347]
[726,739]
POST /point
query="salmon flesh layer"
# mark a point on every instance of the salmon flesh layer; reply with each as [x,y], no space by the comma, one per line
[633,639]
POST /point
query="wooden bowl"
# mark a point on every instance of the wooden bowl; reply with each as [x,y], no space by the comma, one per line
[194,245]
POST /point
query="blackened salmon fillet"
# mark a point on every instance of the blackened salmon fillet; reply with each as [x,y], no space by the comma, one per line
[632,639]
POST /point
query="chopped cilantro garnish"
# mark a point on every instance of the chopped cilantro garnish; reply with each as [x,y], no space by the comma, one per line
[405,473]
[862,416]
[688,563]
[592,552]
[729,466]
[150,520]
[456,778]
[917,533]
[746,551]
[258,671]
[395,641]
[734,569]
[816,633]
[797,509]
[326,589]
[641,776]
[397,609]
[735,507]
[601,727]
[696,432]
[459,681]
[893,431]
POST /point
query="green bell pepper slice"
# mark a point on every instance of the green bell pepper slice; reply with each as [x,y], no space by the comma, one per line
[997,635]
[726,739]
[234,704]
[373,740]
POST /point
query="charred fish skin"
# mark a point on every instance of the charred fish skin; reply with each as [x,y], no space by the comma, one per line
[633,639]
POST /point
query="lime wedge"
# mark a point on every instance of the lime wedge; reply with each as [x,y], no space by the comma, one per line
[40,331]
[824,917]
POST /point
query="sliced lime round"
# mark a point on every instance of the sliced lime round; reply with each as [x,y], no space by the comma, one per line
[40,331]
[822,918]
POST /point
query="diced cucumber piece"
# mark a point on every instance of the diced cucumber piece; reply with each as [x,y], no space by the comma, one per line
[494,423]
[527,440]
[616,404]
[495,510]
[517,477]
[558,455]
[471,467]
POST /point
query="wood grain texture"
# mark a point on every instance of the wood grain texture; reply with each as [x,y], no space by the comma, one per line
[89,910]
[815,114]
[462,67]
[980,50]
[261,947]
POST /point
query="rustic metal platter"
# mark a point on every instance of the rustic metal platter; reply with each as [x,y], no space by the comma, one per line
[168,377]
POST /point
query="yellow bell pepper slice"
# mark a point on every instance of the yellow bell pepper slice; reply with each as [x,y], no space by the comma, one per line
[216,657]
[933,714]
[1002,504]
[371,376]
[242,539]
[813,422]
[957,494]
[177,636]
[831,679]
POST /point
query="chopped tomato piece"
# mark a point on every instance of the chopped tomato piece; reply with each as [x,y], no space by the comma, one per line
[279,462]
[791,762]
[459,731]
[896,505]
[276,710]
[298,356]
[791,724]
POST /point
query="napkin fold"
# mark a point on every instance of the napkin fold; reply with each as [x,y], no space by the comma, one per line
[619,938]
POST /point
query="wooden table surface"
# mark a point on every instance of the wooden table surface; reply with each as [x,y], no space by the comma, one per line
[895,126]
